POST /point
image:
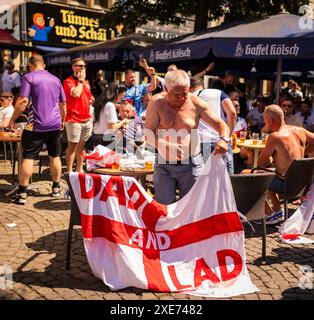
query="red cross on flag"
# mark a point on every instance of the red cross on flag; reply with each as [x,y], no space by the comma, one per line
[195,245]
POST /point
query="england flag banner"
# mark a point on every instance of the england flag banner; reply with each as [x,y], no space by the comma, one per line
[302,221]
[195,245]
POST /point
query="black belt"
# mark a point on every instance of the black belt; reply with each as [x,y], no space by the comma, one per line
[178,162]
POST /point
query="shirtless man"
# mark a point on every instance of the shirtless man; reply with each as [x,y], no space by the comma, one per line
[172,119]
[285,144]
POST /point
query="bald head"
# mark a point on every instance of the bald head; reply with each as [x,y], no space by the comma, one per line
[176,78]
[274,112]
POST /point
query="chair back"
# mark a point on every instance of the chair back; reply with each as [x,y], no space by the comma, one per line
[250,193]
[21,122]
[75,218]
[298,178]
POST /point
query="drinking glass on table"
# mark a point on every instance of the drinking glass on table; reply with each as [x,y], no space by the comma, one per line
[234,141]
[264,138]
[115,165]
[149,161]
[243,136]
[255,137]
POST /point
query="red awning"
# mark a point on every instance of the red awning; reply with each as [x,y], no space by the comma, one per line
[7,41]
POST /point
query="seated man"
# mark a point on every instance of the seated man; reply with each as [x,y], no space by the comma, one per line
[255,116]
[288,105]
[6,108]
[133,131]
[284,144]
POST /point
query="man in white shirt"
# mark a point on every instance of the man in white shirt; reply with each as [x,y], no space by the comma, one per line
[10,78]
[255,117]
[223,107]
[6,108]
[310,122]
[295,92]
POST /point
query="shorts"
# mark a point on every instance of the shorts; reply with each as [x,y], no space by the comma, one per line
[78,131]
[276,185]
[33,142]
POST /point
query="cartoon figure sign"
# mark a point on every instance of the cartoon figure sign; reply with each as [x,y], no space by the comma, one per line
[38,31]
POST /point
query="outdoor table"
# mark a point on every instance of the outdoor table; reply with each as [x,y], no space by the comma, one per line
[255,147]
[9,137]
[138,173]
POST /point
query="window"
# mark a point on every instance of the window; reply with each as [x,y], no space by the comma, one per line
[101,3]
[82,1]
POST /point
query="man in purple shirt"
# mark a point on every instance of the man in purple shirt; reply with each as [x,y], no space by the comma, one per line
[43,94]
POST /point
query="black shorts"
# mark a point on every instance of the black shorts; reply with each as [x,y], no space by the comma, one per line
[33,141]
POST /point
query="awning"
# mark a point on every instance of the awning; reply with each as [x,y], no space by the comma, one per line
[49,49]
[103,52]
[7,41]
[281,36]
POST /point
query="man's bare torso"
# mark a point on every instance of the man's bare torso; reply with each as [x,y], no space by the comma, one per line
[179,123]
[289,146]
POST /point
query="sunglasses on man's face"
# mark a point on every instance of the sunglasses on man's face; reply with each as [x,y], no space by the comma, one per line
[4,97]
[80,65]
[287,105]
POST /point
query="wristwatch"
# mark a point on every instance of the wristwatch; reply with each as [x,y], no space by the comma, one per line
[80,81]
[226,139]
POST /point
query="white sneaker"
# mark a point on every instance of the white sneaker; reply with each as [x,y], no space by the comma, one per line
[272,219]
[280,215]
[56,192]
[275,217]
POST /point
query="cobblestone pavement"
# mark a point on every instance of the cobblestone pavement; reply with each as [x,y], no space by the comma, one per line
[35,250]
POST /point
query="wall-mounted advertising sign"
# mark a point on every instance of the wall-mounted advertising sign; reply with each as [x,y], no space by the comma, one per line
[49,24]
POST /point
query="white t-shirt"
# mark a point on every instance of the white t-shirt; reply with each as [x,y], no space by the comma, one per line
[6,113]
[310,119]
[294,120]
[10,81]
[241,125]
[107,115]
[214,97]
[256,117]
[296,94]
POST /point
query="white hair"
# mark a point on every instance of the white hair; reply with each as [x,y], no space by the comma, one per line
[176,78]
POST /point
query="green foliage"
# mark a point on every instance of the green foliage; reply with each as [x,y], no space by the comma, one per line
[132,13]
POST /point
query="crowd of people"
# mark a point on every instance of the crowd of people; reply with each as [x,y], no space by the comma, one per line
[176,117]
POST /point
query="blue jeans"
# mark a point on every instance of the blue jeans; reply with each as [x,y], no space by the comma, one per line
[169,177]
[208,147]
[277,185]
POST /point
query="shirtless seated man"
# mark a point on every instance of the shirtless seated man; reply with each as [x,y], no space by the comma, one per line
[284,144]
[172,119]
